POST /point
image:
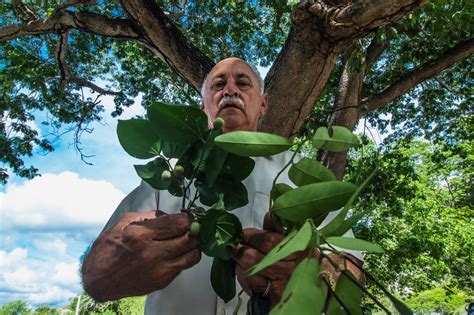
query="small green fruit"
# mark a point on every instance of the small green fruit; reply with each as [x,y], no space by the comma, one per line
[166,175]
[218,123]
[178,171]
[194,228]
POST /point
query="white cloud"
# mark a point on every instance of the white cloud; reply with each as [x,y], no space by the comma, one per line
[37,281]
[58,202]
[56,246]
[12,258]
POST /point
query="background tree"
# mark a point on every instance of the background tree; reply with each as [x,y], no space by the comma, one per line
[339,60]
[18,307]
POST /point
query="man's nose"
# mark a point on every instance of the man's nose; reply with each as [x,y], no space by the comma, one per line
[231,89]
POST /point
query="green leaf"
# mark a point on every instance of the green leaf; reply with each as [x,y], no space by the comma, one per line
[309,171]
[312,201]
[138,139]
[239,167]
[235,193]
[220,230]
[248,143]
[214,163]
[339,226]
[400,306]
[278,190]
[354,244]
[207,195]
[178,124]
[294,242]
[151,173]
[340,140]
[175,187]
[173,150]
[350,295]
[305,292]
[223,278]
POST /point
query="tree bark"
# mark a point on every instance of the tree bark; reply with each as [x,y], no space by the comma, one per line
[167,41]
[320,31]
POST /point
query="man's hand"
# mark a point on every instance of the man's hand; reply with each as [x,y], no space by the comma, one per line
[254,246]
[141,253]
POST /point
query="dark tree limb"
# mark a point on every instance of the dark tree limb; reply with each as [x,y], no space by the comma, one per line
[66,76]
[428,70]
[65,20]
[320,31]
[167,41]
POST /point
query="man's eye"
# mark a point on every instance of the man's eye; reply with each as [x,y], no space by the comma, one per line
[244,84]
[218,85]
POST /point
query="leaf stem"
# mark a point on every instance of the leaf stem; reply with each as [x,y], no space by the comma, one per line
[284,168]
[336,297]
[349,276]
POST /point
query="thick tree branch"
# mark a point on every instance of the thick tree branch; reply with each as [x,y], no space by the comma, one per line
[320,31]
[430,69]
[167,41]
[66,76]
[65,20]
[362,16]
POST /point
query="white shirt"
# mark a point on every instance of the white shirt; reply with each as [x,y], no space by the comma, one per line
[191,291]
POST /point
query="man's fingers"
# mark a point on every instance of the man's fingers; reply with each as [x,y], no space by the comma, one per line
[247,257]
[262,240]
[165,226]
[271,224]
[174,247]
[252,284]
[187,260]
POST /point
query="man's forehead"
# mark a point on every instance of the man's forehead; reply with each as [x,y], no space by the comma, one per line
[232,66]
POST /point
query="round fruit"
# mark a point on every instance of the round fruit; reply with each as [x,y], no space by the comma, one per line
[218,123]
[178,171]
[194,228]
[166,175]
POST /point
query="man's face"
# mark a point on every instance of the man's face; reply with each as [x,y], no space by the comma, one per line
[232,92]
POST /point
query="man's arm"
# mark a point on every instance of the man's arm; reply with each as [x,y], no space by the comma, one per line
[141,253]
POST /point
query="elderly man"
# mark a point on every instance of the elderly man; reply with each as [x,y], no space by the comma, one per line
[147,251]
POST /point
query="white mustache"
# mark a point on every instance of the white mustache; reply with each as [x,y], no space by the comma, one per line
[232,100]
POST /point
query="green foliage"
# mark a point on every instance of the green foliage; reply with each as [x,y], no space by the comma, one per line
[349,294]
[223,278]
[440,299]
[132,305]
[335,139]
[46,310]
[296,240]
[418,217]
[248,143]
[305,292]
[308,171]
[17,307]
[312,201]
[135,138]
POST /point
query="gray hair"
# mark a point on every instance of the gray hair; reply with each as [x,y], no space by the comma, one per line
[261,83]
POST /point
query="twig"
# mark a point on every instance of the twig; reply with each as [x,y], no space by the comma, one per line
[25,9]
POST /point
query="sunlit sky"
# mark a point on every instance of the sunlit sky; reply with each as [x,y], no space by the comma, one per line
[46,223]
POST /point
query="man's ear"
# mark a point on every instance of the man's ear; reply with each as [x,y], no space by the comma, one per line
[264,106]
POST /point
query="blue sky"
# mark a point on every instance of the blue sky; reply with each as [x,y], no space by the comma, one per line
[46,223]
